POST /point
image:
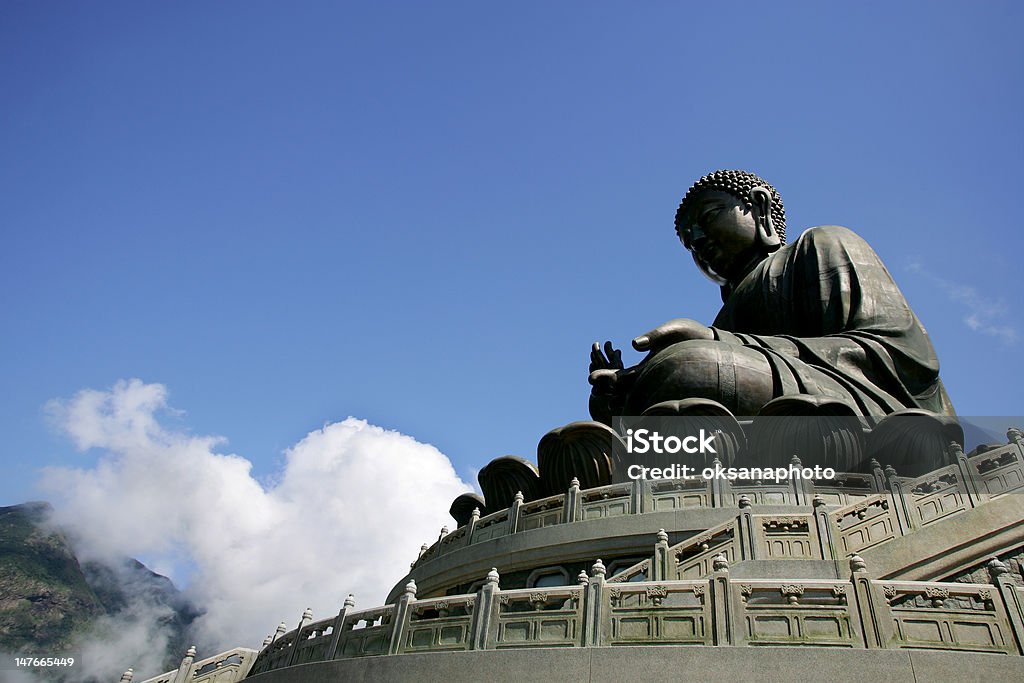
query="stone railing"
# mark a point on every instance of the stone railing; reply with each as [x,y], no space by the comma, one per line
[850,514]
[638,497]
[857,612]
[226,667]
[904,506]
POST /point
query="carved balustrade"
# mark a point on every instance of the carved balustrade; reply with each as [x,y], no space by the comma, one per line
[437,625]
[847,488]
[865,524]
[225,667]
[948,616]
[366,633]
[541,513]
[455,539]
[674,494]
[867,521]
[859,612]
[657,613]
[538,617]
[313,641]
[607,501]
[641,571]
[998,471]
[864,509]
[797,612]
[694,557]
[491,526]
[275,655]
[786,537]
[761,493]
[163,678]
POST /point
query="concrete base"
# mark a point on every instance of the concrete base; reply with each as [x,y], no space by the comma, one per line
[764,665]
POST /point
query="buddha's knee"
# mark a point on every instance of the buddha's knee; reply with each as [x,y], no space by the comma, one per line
[735,376]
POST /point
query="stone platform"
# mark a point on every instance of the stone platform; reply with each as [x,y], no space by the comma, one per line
[871,574]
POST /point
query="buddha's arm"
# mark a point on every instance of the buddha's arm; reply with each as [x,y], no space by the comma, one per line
[782,344]
[672,332]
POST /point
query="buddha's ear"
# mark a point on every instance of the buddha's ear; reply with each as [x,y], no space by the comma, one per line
[762,199]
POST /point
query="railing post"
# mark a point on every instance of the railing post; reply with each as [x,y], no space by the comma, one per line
[423,550]
[660,567]
[441,550]
[877,476]
[513,513]
[636,497]
[471,526]
[717,487]
[745,527]
[874,624]
[1000,576]
[810,489]
[1016,436]
[823,525]
[970,485]
[799,488]
[722,607]
[185,669]
[480,637]
[572,502]
[307,617]
[898,496]
[592,600]
[400,616]
[339,626]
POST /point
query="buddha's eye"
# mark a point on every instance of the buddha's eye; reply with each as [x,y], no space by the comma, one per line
[709,214]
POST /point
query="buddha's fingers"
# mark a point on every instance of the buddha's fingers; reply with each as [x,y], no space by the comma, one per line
[603,379]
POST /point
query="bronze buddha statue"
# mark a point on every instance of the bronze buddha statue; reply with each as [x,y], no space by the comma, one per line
[816,320]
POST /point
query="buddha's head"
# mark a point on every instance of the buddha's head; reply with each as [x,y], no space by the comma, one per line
[730,221]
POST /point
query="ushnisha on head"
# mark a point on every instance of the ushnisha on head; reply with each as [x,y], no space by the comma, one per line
[730,221]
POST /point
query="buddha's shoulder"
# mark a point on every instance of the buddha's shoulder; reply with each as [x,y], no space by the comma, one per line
[829,232]
[829,246]
[826,238]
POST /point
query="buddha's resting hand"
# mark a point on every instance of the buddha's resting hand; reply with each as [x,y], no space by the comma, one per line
[604,368]
[672,332]
[609,380]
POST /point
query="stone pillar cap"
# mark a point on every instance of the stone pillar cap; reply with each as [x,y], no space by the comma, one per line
[720,563]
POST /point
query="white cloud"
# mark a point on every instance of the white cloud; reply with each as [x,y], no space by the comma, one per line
[138,631]
[346,515]
[984,315]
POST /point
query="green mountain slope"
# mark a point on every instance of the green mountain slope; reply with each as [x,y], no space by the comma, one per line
[50,601]
[45,600]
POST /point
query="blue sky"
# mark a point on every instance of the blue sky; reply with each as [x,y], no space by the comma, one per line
[423,214]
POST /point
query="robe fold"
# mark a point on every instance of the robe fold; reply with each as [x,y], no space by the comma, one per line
[826,305]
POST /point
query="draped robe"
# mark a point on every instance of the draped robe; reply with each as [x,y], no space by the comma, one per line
[824,311]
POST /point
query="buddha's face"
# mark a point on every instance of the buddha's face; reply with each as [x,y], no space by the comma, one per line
[721,232]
